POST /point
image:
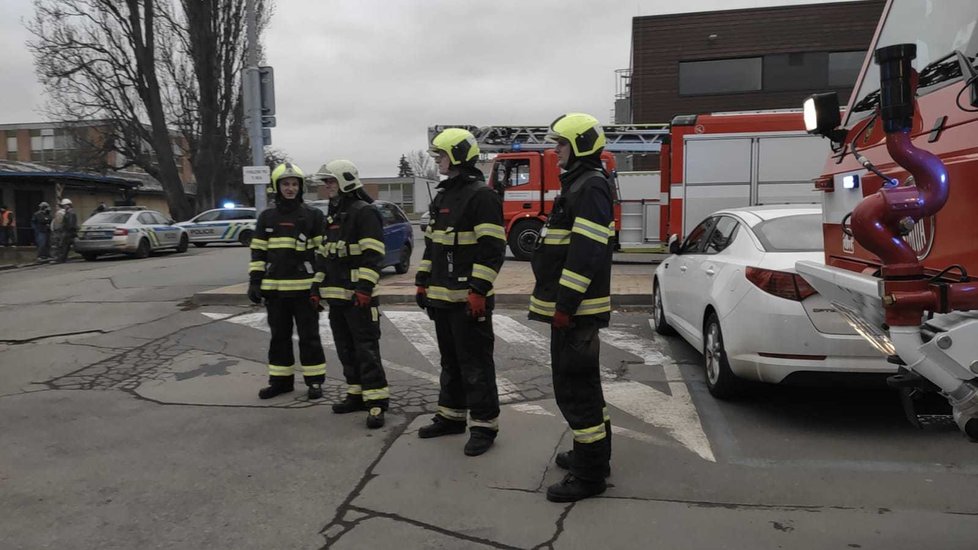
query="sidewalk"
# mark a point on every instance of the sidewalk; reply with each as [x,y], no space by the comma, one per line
[631,285]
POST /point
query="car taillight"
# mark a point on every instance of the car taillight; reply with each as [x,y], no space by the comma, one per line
[782,284]
[120,232]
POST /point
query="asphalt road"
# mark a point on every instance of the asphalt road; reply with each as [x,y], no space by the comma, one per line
[129,419]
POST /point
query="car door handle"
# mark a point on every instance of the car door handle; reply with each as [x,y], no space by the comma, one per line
[710,271]
[682,268]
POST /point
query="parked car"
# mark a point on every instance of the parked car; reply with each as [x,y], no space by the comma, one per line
[425,219]
[398,233]
[730,290]
[135,231]
[222,225]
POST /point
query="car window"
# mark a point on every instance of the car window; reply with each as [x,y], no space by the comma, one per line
[387,214]
[146,219]
[399,215]
[208,216]
[798,233]
[159,218]
[694,242]
[109,217]
[722,235]
[244,214]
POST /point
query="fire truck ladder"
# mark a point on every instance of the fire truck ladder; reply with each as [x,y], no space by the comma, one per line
[621,138]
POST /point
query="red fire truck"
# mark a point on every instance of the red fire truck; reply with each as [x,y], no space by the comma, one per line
[898,196]
[709,162]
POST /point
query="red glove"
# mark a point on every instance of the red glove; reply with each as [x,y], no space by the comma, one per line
[562,320]
[314,302]
[476,305]
[421,297]
[361,299]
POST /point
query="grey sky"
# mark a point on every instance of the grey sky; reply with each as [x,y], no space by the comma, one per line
[363,79]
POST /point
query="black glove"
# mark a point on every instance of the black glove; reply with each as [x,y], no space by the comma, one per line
[254,293]
[421,297]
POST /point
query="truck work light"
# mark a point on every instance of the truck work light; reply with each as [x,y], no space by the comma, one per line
[822,116]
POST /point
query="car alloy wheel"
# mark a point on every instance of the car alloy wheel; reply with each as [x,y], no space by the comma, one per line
[720,380]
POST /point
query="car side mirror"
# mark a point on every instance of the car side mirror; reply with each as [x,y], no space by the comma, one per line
[674,247]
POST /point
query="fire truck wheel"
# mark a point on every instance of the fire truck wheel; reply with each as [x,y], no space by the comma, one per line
[720,380]
[658,313]
[523,238]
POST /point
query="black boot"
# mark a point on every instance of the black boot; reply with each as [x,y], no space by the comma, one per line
[315,391]
[375,418]
[480,439]
[439,427]
[573,488]
[351,403]
[566,459]
[274,389]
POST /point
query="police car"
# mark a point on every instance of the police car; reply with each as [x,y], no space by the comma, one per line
[222,225]
[132,230]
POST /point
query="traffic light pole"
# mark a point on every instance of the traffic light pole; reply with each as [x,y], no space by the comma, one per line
[252,103]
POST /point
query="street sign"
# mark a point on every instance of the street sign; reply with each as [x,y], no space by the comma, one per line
[256,175]
[267,121]
[266,136]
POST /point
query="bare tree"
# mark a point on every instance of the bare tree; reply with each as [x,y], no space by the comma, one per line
[422,165]
[98,59]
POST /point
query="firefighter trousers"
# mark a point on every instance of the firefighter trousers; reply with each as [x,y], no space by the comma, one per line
[468,372]
[282,312]
[574,353]
[356,333]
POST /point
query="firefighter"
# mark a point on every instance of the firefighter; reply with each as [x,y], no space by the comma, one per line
[464,249]
[67,230]
[572,268]
[282,273]
[350,261]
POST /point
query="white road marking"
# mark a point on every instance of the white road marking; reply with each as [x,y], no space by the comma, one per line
[531,344]
[390,365]
[216,316]
[530,408]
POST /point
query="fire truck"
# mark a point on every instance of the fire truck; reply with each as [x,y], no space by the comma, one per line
[709,162]
[899,194]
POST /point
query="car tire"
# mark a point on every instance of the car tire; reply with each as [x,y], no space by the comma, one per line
[200,245]
[244,238]
[523,237]
[404,265]
[659,313]
[184,243]
[142,250]
[89,256]
[720,380]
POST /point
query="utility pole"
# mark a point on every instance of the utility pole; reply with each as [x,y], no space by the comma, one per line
[252,103]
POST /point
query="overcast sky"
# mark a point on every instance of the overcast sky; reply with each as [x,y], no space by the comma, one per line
[363,79]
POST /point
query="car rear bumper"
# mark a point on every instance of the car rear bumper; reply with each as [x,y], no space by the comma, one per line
[105,246]
[776,369]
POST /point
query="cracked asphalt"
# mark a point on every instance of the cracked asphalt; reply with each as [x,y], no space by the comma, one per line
[129,420]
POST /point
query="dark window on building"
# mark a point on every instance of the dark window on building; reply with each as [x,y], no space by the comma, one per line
[795,71]
[844,68]
[720,76]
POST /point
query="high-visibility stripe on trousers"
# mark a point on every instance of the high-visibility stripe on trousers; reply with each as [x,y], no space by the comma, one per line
[283,312]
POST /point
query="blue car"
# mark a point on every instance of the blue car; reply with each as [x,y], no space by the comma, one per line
[398,233]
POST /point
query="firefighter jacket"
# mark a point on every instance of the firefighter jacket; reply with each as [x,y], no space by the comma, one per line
[465,243]
[352,254]
[572,265]
[283,250]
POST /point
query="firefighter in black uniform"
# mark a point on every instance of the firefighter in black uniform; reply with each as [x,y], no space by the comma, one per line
[350,261]
[572,267]
[464,249]
[282,271]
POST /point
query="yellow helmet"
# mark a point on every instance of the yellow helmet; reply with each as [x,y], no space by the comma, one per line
[458,144]
[344,172]
[582,131]
[287,170]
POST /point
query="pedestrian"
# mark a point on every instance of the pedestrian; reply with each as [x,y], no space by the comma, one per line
[572,268]
[98,209]
[351,258]
[57,221]
[464,250]
[41,224]
[7,226]
[69,228]
[282,273]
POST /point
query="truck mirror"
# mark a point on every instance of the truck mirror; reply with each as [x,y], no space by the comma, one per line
[822,116]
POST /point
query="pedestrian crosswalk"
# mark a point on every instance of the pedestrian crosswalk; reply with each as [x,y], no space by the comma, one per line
[523,361]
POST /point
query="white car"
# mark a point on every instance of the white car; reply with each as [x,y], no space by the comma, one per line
[730,290]
[129,230]
[222,225]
